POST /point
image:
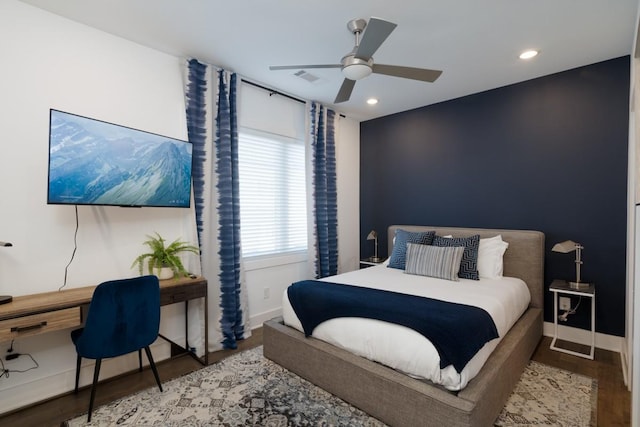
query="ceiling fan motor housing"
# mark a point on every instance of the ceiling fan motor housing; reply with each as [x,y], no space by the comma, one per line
[356,68]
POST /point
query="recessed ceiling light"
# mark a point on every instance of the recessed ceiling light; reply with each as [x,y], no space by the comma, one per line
[372,101]
[528,54]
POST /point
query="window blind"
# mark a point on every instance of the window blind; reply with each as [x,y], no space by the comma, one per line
[273,211]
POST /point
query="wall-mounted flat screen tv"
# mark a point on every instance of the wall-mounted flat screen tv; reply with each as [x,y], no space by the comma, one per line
[92,162]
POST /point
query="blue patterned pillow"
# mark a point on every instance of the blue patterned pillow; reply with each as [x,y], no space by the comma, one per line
[398,256]
[469,264]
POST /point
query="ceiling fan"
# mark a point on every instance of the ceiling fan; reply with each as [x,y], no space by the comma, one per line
[358,63]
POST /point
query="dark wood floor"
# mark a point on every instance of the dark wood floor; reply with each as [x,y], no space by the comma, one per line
[613,398]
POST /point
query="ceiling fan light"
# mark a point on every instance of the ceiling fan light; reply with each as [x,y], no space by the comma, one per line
[356,71]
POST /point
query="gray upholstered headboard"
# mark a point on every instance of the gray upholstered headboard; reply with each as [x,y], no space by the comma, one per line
[523,259]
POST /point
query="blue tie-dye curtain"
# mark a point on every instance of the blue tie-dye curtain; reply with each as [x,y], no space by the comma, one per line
[325,194]
[229,211]
[196,128]
[215,182]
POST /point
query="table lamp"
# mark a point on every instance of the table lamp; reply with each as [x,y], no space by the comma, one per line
[5,298]
[567,247]
[373,235]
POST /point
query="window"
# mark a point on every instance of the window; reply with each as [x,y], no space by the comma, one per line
[273,202]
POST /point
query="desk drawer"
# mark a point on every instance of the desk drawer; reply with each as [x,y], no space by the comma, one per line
[39,323]
[172,295]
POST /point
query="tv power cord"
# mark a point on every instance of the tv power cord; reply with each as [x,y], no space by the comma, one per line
[75,248]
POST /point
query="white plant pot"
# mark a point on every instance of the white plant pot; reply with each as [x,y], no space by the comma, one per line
[163,273]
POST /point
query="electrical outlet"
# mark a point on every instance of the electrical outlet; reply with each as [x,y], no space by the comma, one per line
[565,303]
[266,293]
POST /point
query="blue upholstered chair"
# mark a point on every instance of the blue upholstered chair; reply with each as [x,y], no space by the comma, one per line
[124,316]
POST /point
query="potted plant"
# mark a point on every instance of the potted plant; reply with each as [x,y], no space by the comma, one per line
[163,260]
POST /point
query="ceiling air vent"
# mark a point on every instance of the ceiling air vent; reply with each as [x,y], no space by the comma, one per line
[306,76]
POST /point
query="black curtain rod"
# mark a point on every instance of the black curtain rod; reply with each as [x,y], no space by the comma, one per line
[273,91]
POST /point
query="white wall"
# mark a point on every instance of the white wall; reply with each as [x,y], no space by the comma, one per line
[631,357]
[633,339]
[50,62]
[348,171]
[631,351]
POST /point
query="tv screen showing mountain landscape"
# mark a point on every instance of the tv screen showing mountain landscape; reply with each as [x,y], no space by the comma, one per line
[92,162]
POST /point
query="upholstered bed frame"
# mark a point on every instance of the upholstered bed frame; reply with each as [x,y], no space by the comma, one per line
[399,400]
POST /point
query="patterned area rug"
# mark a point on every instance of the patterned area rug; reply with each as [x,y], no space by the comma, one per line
[248,390]
[548,396]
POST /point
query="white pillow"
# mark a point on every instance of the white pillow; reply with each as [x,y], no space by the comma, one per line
[490,253]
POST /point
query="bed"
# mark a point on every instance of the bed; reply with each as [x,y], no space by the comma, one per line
[399,399]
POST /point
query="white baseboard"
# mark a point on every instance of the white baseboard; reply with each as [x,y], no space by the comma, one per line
[581,336]
[624,360]
[259,319]
[59,383]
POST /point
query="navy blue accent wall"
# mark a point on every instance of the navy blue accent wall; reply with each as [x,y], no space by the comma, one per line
[549,154]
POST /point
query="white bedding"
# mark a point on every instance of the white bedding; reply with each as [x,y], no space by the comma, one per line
[404,349]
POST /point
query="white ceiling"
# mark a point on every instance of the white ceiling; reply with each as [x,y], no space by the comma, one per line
[476,43]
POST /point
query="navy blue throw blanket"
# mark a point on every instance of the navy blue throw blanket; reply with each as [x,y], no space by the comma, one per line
[457,331]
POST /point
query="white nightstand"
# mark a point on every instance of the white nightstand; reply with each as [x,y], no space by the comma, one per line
[561,287]
[371,261]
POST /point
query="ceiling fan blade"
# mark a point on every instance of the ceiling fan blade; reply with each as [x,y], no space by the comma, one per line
[302,67]
[375,33]
[345,91]
[423,74]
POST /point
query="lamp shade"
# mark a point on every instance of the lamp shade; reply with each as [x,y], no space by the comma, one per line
[571,246]
[373,235]
[565,247]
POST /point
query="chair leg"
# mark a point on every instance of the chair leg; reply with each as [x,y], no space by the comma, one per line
[140,360]
[77,373]
[153,366]
[96,373]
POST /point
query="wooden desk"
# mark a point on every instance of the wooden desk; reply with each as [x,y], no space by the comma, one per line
[50,311]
